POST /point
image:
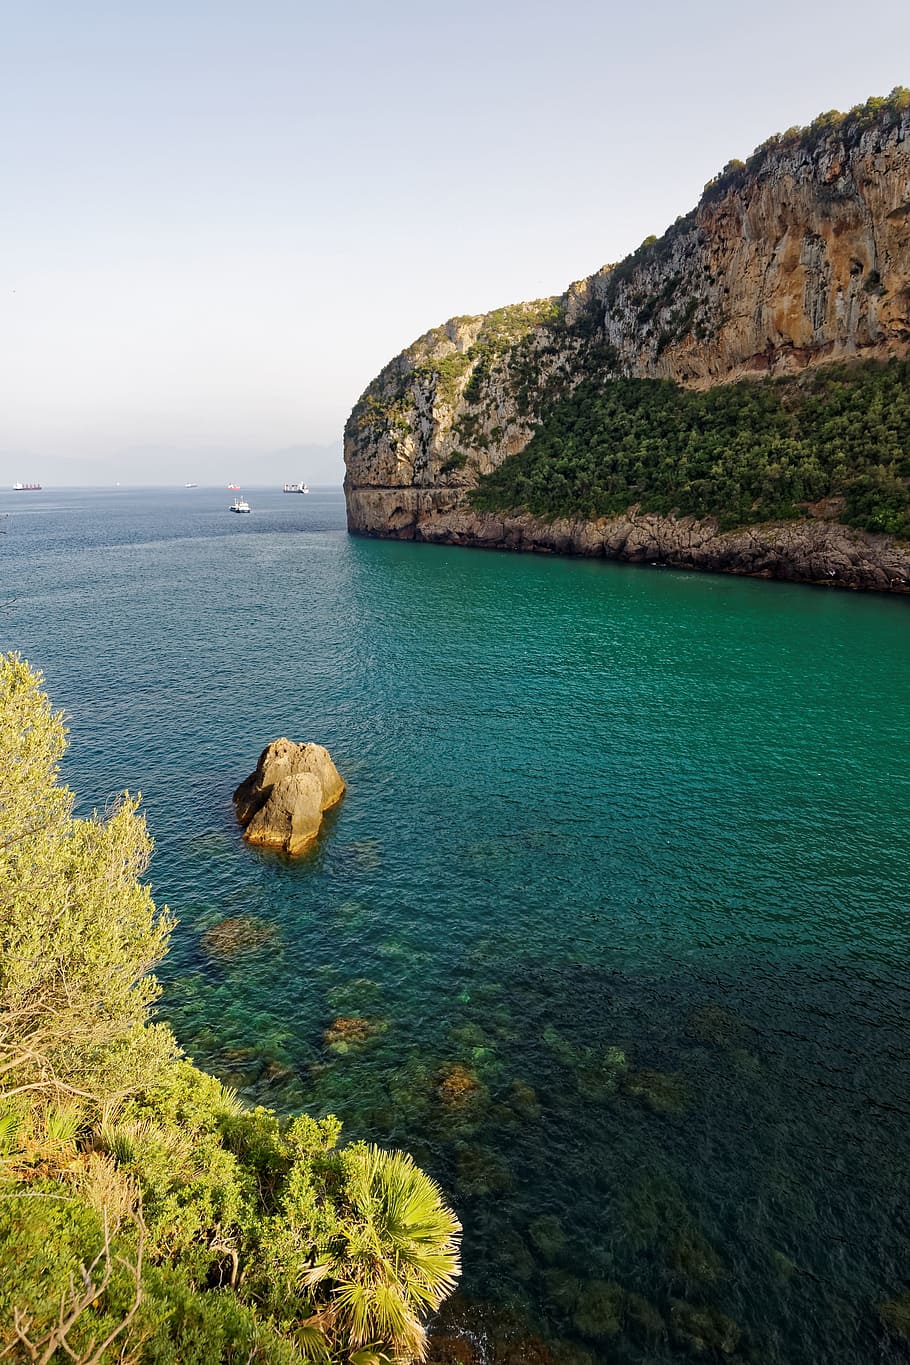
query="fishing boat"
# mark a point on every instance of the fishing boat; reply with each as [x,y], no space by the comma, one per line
[295,488]
[233,487]
[240,505]
[26,487]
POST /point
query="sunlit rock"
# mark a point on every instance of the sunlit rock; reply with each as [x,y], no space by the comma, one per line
[281,803]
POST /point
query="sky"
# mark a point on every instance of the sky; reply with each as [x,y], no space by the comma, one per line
[221,219]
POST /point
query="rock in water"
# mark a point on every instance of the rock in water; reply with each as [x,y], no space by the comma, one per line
[282,803]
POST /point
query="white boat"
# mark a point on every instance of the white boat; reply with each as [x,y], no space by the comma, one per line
[240,505]
[26,487]
[295,488]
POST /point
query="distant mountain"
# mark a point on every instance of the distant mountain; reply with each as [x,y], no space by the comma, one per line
[51,471]
[170,465]
[681,406]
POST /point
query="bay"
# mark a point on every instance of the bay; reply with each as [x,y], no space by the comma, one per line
[619,882]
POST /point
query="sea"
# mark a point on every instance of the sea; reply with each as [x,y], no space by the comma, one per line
[618,895]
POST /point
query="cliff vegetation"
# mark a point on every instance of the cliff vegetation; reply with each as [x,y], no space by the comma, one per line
[742,453]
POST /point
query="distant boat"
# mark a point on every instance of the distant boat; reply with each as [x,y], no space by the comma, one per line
[26,487]
[191,485]
[295,488]
[240,505]
[233,487]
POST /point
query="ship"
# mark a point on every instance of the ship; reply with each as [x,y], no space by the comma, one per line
[26,487]
[295,488]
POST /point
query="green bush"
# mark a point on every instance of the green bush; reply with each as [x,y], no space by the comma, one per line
[457,460]
[743,453]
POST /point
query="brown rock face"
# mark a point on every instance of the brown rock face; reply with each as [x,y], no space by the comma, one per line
[281,803]
[821,552]
[797,259]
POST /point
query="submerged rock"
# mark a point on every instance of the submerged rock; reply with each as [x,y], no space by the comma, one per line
[600,1309]
[563,1289]
[523,1101]
[715,1026]
[513,1250]
[450,1350]
[281,803]
[498,1336]
[238,934]
[895,1314]
[566,1052]
[598,1077]
[693,1257]
[658,1090]
[643,1320]
[784,1268]
[651,1211]
[481,1171]
[468,1035]
[351,1031]
[458,1087]
[704,1330]
[362,856]
[569,1353]
[548,1236]
[353,994]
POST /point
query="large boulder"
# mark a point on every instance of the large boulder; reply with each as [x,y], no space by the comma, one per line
[281,803]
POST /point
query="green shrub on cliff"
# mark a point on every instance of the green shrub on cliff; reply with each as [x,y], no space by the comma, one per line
[878,110]
[145,1215]
[743,453]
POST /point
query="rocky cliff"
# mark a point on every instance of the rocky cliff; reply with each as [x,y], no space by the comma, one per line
[798,257]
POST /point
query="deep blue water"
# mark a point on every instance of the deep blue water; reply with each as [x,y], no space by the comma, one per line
[620,882]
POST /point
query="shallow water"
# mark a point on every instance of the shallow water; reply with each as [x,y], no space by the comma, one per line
[619,882]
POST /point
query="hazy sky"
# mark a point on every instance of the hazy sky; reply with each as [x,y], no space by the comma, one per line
[221,219]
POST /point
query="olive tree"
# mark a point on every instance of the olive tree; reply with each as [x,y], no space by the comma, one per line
[79,932]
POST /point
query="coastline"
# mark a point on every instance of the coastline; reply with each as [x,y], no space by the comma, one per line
[812,551]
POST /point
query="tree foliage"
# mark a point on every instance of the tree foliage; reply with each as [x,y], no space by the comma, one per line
[79,933]
[145,1214]
[754,451]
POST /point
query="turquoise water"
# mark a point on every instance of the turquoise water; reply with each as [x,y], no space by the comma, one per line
[619,884]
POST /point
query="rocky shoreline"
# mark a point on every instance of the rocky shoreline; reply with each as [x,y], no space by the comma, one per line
[813,550]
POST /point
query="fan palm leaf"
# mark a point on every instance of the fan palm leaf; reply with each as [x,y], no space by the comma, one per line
[397,1255]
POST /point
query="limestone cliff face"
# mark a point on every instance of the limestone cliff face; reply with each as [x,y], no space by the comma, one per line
[801,256]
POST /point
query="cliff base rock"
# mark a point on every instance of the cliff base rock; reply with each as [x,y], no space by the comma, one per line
[810,550]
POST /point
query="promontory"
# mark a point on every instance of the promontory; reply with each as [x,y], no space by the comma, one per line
[735,395]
